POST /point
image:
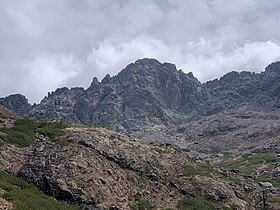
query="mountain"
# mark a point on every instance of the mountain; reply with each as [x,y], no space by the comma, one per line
[183,144]
[158,93]
[144,96]
[152,100]
[95,168]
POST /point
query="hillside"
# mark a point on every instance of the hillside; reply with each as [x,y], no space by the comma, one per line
[237,130]
[95,168]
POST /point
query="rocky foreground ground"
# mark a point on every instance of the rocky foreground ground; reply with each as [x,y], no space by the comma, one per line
[95,168]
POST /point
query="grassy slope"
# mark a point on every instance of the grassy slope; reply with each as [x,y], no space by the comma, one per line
[23,132]
[248,164]
[25,196]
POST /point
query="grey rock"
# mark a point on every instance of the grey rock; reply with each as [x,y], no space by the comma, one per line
[265,184]
[17,103]
[144,96]
[155,101]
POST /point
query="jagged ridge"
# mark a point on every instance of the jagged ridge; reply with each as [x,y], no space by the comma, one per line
[149,96]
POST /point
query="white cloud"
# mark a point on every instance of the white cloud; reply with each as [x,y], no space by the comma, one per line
[206,59]
[111,55]
[40,39]
[252,56]
[48,72]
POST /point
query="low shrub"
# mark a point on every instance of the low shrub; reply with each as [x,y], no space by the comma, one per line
[194,204]
[23,132]
[247,162]
[136,202]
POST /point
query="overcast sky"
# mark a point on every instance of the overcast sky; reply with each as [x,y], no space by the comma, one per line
[45,44]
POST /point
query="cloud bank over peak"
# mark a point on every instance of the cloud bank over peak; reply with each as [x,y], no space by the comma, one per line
[49,44]
[204,58]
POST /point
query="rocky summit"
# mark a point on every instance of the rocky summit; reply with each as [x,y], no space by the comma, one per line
[146,95]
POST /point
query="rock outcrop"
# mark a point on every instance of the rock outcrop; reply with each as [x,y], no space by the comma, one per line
[5,205]
[103,169]
[16,103]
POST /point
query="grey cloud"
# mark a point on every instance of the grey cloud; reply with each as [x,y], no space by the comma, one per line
[45,44]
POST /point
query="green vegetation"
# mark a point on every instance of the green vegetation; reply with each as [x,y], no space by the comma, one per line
[24,130]
[247,163]
[1,142]
[25,196]
[52,129]
[182,150]
[190,170]
[63,142]
[136,202]
[195,204]
[273,199]
[144,179]
[266,178]
[227,155]
[22,134]
[233,179]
